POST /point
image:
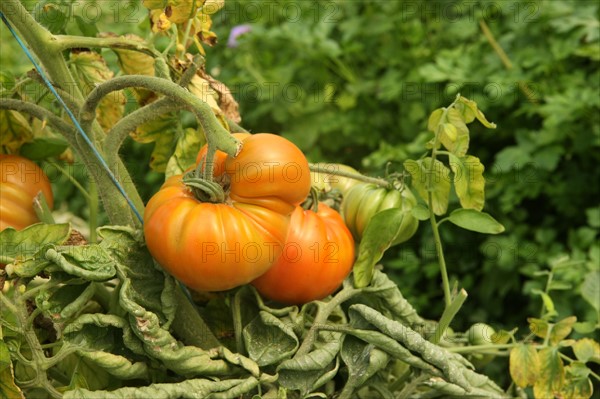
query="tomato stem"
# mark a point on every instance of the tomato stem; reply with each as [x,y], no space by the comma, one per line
[215,133]
[334,170]
[434,225]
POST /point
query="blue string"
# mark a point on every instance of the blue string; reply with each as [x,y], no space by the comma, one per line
[72,117]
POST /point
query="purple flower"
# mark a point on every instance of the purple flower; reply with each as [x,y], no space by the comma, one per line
[236,32]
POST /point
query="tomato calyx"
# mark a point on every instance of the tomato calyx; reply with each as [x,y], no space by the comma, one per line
[312,201]
[204,190]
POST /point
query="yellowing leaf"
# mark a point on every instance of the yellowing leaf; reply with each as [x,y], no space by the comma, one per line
[14,130]
[179,11]
[186,149]
[89,68]
[426,179]
[577,382]
[159,21]
[587,350]
[162,132]
[212,6]
[552,374]
[471,111]
[538,327]
[154,4]
[227,103]
[135,63]
[469,182]
[201,89]
[562,329]
[524,365]
[434,120]
[460,145]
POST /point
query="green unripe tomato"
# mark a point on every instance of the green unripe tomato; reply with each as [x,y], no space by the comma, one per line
[365,200]
[480,334]
[328,180]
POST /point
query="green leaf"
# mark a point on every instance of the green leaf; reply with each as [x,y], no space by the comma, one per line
[379,235]
[473,220]
[430,178]
[420,212]
[524,365]
[562,329]
[44,147]
[187,389]
[50,15]
[308,372]
[469,182]
[590,289]
[363,361]
[587,350]
[25,243]
[552,374]
[86,27]
[548,303]
[268,340]
[577,382]
[187,147]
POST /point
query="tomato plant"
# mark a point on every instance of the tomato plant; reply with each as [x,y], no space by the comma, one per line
[22,180]
[317,257]
[365,200]
[207,246]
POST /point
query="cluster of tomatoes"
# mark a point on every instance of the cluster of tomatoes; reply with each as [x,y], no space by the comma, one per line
[257,233]
[261,234]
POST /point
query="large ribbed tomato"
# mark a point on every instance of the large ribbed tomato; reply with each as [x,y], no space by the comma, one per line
[318,255]
[211,247]
[365,200]
[214,247]
[21,180]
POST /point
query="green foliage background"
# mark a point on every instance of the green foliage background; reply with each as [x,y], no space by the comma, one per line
[353,82]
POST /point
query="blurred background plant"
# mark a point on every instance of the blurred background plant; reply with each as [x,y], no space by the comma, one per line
[353,82]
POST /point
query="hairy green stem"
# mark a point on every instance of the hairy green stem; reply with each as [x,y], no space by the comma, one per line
[216,134]
[93,208]
[189,325]
[434,226]
[334,170]
[65,42]
[42,42]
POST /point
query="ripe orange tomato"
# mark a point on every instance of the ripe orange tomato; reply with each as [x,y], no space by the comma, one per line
[318,255]
[21,180]
[211,247]
[270,171]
